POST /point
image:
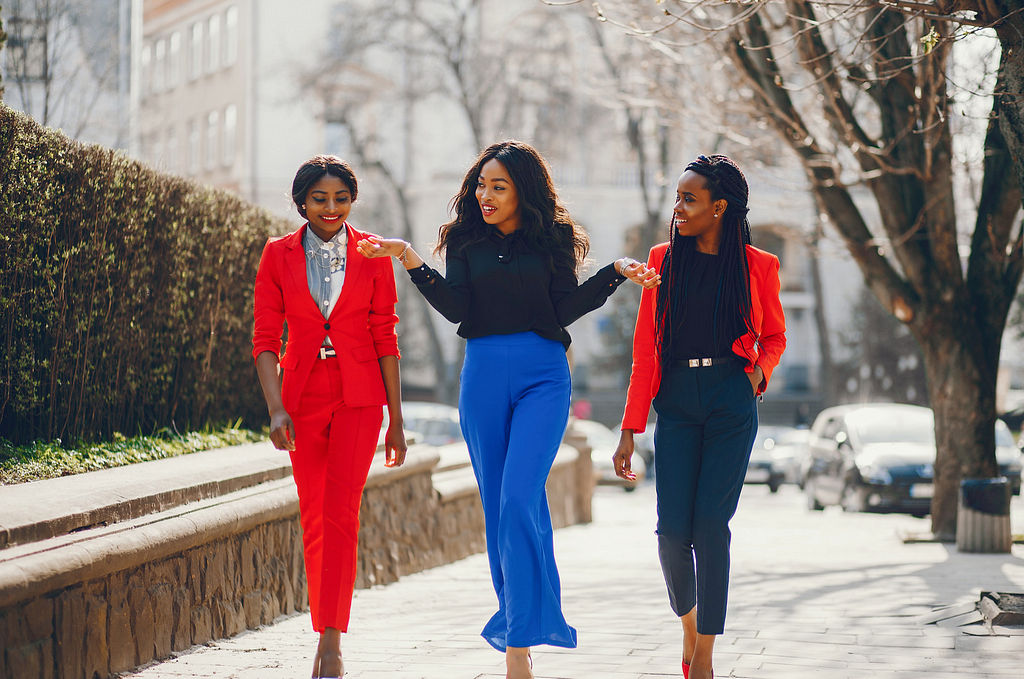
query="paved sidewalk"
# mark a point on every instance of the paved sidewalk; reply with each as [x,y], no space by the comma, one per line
[814,594]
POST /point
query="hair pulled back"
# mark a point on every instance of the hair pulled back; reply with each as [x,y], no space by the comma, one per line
[544,224]
[315,169]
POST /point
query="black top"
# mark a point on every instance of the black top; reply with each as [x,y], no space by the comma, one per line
[694,336]
[498,286]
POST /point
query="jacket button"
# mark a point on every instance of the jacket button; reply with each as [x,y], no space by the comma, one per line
[327,326]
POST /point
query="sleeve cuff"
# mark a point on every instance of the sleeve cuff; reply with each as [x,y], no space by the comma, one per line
[422,275]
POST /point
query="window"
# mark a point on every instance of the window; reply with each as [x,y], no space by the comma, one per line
[193,147]
[26,48]
[230,129]
[159,65]
[195,59]
[336,141]
[213,48]
[212,123]
[147,70]
[157,152]
[173,60]
[172,151]
[231,36]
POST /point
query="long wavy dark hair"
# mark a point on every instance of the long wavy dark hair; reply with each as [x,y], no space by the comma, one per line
[724,180]
[544,224]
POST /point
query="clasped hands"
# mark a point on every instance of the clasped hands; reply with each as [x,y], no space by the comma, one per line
[638,272]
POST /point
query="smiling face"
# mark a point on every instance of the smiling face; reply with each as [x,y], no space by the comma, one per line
[694,213]
[328,203]
[497,196]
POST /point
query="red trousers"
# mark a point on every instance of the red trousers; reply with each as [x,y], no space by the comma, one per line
[334,445]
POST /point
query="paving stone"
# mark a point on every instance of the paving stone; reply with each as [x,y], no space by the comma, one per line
[815,595]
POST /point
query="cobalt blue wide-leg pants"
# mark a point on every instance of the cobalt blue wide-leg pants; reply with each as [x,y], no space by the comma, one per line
[707,421]
[514,406]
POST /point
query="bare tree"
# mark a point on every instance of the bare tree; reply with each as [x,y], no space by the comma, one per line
[3,40]
[861,93]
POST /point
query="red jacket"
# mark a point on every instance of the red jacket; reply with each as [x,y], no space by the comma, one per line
[361,325]
[763,348]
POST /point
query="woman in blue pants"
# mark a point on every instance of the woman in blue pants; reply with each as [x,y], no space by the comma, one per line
[512,254]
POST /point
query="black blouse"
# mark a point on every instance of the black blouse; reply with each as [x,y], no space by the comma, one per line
[695,336]
[498,286]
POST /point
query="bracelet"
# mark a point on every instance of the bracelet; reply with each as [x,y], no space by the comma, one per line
[405,252]
[627,261]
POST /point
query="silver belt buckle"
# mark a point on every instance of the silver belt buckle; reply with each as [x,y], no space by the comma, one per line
[694,362]
[705,362]
[323,352]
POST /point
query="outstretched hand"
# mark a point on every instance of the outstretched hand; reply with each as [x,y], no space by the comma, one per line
[639,273]
[375,246]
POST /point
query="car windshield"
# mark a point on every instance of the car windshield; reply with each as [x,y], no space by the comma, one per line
[895,425]
[1003,435]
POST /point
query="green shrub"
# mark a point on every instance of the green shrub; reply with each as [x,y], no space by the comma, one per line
[41,460]
[125,294]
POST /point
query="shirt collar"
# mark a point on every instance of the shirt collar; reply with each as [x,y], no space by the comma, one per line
[314,241]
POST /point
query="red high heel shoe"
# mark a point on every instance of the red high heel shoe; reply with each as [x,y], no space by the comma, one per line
[686,670]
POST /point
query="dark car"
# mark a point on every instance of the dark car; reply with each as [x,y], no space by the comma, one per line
[763,466]
[880,458]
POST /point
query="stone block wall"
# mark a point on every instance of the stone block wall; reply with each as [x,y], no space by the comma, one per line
[103,601]
[128,618]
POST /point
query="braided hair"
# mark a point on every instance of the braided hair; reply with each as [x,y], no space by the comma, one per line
[723,180]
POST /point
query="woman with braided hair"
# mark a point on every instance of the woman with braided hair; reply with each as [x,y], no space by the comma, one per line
[705,344]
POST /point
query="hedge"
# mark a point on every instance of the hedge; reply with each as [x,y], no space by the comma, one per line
[125,294]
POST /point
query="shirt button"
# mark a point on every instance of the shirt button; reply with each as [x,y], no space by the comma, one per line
[327,279]
[326,302]
[327,326]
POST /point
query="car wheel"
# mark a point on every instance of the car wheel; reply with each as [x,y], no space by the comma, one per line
[812,501]
[773,486]
[629,489]
[851,501]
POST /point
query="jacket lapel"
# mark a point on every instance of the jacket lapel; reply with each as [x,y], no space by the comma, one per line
[295,273]
[353,266]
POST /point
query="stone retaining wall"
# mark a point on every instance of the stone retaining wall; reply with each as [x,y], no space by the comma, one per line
[104,600]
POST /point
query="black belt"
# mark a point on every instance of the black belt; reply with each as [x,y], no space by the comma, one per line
[326,352]
[703,362]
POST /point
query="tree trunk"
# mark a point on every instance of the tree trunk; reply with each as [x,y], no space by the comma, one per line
[828,386]
[962,396]
[1011,102]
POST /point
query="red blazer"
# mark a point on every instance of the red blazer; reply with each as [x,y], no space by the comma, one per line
[763,348]
[361,325]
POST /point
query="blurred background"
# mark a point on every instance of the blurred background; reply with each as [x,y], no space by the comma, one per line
[237,93]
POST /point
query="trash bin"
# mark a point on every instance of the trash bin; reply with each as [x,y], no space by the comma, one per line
[983,516]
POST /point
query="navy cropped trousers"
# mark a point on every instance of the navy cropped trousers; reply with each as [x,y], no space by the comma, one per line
[707,420]
[514,406]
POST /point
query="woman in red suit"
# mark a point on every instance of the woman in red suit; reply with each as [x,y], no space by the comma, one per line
[340,366]
[705,344]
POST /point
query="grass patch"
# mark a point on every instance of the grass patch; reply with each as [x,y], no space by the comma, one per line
[40,460]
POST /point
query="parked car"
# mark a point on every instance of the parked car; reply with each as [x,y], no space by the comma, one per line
[762,467]
[880,458]
[789,449]
[436,424]
[603,442]
[872,458]
[1008,456]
